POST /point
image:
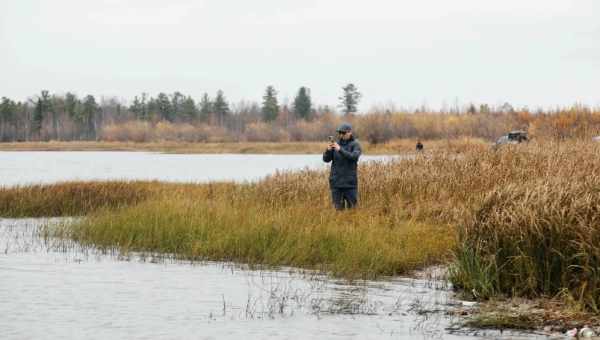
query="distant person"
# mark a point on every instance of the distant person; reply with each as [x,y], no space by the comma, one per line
[343,153]
[419,146]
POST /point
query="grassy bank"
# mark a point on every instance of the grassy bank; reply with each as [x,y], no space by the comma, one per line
[393,147]
[537,236]
[519,221]
[73,198]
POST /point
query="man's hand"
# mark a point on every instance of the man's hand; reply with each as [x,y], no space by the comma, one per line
[336,146]
[329,146]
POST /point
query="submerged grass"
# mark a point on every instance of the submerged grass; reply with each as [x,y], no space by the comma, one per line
[501,321]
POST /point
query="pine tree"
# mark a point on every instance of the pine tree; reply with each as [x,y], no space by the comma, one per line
[71,102]
[188,110]
[350,98]
[270,108]
[176,104]
[303,104]
[42,107]
[8,112]
[137,108]
[164,107]
[88,116]
[205,107]
[484,108]
[472,109]
[220,107]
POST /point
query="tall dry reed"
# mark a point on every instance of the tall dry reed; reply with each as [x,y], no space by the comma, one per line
[521,220]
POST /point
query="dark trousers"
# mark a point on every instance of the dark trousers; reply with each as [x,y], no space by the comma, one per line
[344,198]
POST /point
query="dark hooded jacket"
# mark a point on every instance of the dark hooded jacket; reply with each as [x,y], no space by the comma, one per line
[344,164]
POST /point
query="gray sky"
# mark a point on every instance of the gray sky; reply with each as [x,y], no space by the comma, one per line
[527,52]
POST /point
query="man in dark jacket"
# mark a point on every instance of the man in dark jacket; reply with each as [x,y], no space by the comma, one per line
[343,156]
[419,146]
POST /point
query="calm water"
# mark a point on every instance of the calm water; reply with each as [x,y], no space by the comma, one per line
[48,166]
[54,289]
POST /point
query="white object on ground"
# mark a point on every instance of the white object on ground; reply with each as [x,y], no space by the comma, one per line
[586,332]
[571,332]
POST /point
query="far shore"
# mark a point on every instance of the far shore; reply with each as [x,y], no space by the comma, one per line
[391,148]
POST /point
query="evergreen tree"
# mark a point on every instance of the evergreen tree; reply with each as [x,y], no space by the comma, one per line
[139,107]
[8,110]
[136,108]
[163,106]
[176,104]
[54,103]
[188,110]
[221,108]
[472,109]
[40,113]
[350,98]
[37,119]
[484,108]
[205,107]
[303,104]
[88,116]
[71,102]
[270,108]
[8,113]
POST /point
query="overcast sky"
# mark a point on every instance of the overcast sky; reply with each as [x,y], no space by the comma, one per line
[527,52]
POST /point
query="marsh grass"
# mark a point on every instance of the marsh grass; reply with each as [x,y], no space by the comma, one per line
[352,245]
[70,199]
[519,221]
[537,239]
[537,236]
[502,321]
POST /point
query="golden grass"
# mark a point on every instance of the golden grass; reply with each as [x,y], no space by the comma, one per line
[71,199]
[536,234]
[349,245]
[522,220]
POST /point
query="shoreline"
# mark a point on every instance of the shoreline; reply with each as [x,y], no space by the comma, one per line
[391,148]
[164,147]
[409,220]
[543,316]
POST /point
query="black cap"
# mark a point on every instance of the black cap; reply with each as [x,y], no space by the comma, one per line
[344,127]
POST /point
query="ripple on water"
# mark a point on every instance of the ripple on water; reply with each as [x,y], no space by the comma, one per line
[54,288]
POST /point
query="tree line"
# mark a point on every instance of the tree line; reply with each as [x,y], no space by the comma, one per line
[180,117]
[69,117]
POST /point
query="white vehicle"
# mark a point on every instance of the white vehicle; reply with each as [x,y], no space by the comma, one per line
[513,137]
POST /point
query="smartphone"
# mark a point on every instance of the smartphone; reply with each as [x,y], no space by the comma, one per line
[330,139]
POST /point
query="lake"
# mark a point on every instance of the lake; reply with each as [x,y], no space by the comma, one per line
[28,167]
[57,289]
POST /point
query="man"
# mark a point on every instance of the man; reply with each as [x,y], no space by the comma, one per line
[343,156]
[419,146]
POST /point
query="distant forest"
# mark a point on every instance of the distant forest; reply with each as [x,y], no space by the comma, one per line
[179,117]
